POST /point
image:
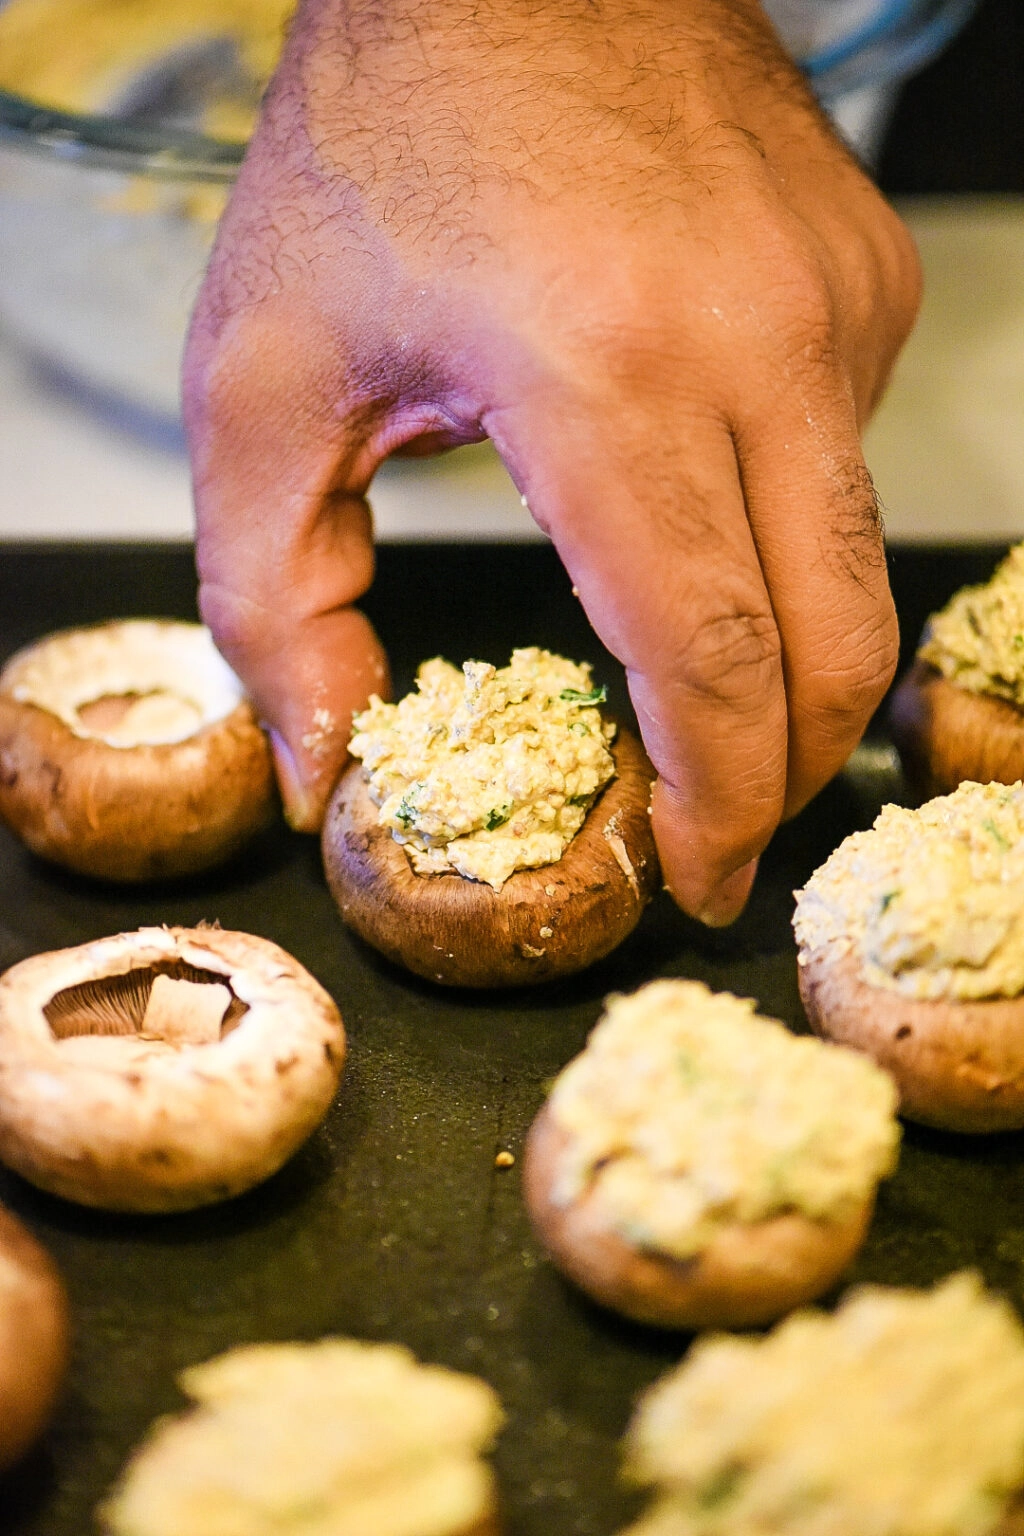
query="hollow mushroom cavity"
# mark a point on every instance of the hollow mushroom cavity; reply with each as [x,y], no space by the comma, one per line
[163,1069]
[129,751]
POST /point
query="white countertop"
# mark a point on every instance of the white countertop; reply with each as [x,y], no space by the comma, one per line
[946,448]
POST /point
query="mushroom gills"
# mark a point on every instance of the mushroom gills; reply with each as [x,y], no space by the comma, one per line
[162,1007]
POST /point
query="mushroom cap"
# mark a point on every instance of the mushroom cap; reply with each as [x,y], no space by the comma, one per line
[121,1087]
[184,799]
[546,922]
[34,1337]
[958,1063]
[946,734]
[749,1273]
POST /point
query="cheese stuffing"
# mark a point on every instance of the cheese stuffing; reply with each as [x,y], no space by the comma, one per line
[487,770]
[687,1112]
[331,1439]
[930,901]
[977,640]
[901,1415]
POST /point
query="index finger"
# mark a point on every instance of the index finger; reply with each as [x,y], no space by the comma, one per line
[283,539]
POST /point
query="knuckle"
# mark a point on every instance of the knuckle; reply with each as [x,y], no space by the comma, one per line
[732,658]
[842,697]
[805,322]
[796,326]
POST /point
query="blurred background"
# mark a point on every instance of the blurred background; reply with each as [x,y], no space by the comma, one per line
[98,264]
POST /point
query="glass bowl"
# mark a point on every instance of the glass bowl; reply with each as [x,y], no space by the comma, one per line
[121,129]
[105,227]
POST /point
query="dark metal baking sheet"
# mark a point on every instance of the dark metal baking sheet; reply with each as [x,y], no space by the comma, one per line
[393,1222]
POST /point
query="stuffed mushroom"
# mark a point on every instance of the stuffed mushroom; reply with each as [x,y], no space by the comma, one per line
[902,1413]
[699,1166]
[911,948]
[336,1437]
[496,830]
[959,712]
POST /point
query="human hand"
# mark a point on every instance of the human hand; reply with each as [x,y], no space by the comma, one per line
[621,242]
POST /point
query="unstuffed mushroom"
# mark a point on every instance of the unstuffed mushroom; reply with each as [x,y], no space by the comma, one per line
[129,751]
[163,1069]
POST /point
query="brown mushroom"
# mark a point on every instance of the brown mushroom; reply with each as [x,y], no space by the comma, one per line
[945,733]
[959,712]
[911,949]
[543,923]
[128,751]
[749,1273]
[697,1166]
[163,1069]
[338,1436]
[34,1337]
[958,1063]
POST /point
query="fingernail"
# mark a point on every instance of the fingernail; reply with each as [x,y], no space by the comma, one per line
[300,808]
[725,903]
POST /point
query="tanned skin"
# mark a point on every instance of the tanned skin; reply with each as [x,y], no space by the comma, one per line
[620,240]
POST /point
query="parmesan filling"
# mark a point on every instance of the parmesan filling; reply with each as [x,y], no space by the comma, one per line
[143,682]
[929,901]
[977,640]
[688,1111]
[338,1437]
[487,770]
[900,1415]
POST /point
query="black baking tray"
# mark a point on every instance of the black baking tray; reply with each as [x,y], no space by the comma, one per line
[394,1221]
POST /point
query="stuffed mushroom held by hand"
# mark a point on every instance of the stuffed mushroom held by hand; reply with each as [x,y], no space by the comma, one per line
[164,1069]
[698,1166]
[497,831]
[128,751]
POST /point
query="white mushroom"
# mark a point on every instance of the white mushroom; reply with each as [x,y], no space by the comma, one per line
[163,1069]
[129,751]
